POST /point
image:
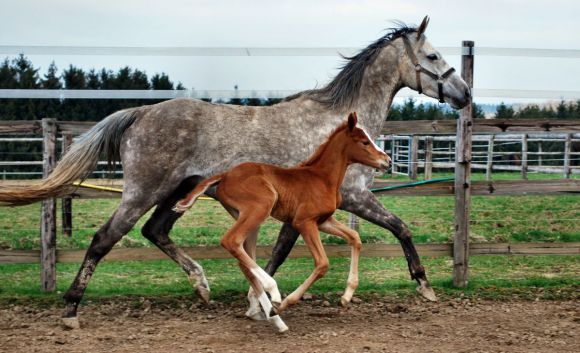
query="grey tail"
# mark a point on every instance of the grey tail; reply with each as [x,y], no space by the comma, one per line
[78,162]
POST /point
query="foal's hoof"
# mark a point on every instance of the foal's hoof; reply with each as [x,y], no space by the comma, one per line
[427,292]
[344,302]
[280,325]
[71,323]
[256,316]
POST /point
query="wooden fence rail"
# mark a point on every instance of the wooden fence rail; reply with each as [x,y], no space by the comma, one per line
[300,251]
[391,127]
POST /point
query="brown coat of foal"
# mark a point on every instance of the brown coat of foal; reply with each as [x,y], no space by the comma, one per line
[305,196]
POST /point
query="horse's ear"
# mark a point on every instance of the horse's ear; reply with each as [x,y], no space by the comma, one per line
[422,27]
[352,120]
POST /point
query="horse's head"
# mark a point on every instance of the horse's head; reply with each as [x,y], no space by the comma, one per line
[360,148]
[423,69]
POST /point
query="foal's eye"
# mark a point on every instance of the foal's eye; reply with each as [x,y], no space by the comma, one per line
[366,143]
[432,57]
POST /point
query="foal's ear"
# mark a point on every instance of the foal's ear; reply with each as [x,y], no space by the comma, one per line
[422,27]
[352,120]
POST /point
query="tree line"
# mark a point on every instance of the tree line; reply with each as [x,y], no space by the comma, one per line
[21,73]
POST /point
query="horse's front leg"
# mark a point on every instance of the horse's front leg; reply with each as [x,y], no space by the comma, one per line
[311,237]
[334,227]
[365,205]
[284,244]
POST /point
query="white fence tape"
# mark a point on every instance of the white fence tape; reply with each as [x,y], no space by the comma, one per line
[257,51]
[229,94]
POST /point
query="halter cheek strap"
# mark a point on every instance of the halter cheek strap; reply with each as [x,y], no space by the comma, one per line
[420,69]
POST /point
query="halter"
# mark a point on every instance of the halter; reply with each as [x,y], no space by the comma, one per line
[419,69]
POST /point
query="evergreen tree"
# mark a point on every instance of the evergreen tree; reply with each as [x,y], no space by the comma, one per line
[161,82]
[51,80]
[504,112]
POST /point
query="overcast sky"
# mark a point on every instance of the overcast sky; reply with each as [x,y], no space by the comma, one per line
[299,23]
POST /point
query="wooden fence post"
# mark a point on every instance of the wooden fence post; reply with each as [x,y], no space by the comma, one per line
[489,166]
[463,176]
[567,151]
[48,213]
[428,157]
[414,160]
[353,221]
[67,140]
[525,156]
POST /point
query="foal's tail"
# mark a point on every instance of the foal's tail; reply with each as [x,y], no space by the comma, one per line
[187,202]
[77,163]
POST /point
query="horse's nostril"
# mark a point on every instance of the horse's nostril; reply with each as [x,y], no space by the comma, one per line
[467,93]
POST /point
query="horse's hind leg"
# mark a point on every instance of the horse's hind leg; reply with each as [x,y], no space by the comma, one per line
[157,231]
[118,225]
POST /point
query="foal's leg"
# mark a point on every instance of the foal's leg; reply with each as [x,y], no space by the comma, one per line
[253,311]
[157,231]
[334,227]
[365,205]
[311,237]
[260,281]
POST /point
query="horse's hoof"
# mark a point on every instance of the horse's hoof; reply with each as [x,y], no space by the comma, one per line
[344,302]
[71,323]
[427,292]
[203,293]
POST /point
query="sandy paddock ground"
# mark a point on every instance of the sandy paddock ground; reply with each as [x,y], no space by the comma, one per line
[316,325]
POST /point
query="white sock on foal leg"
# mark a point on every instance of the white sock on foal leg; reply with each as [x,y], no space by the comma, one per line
[267,306]
[254,311]
[268,283]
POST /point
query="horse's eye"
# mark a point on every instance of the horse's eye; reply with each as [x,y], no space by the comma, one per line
[366,143]
[432,57]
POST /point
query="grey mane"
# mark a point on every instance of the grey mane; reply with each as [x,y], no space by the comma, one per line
[343,91]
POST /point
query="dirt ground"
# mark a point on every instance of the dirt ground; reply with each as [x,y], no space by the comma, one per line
[381,325]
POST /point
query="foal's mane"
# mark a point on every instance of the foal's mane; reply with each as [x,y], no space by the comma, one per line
[320,150]
[343,91]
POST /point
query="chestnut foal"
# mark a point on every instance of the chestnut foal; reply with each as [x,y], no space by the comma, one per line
[305,196]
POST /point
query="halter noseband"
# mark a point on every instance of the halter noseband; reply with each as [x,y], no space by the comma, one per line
[419,69]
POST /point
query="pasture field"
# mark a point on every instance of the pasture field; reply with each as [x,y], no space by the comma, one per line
[492,277]
[494,219]
[523,302]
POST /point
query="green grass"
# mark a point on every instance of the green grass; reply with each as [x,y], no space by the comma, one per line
[494,219]
[493,277]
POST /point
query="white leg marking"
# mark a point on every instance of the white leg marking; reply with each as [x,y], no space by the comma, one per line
[268,283]
[254,312]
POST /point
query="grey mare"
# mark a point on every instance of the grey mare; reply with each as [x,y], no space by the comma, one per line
[167,148]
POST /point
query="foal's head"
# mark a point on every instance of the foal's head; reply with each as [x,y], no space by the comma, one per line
[360,148]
